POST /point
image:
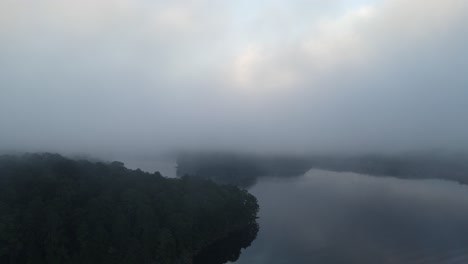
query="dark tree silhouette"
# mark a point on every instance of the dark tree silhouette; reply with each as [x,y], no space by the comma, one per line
[228,248]
[58,210]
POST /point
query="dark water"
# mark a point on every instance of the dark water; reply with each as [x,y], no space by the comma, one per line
[330,218]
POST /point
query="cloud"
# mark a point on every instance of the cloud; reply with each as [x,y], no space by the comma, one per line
[278,75]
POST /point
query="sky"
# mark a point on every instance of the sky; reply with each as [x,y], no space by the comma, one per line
[278,76]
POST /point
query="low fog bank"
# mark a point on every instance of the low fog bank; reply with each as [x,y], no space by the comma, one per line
[244,169]
[355,218]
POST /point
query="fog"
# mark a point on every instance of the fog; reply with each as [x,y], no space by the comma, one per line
[329,217]
[138,76]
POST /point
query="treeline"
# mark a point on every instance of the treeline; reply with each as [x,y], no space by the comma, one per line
[58,210]
[239,169]
[245,169]
[412,165]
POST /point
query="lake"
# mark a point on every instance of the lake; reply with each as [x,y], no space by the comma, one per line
[330,218]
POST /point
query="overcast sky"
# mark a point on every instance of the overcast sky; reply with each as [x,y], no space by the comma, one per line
[280,75]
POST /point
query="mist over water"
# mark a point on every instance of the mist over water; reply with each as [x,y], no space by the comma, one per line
[328,217]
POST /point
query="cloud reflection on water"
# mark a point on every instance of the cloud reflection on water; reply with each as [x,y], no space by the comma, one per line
[331,218]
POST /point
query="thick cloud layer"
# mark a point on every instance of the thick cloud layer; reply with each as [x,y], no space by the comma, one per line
[123,75]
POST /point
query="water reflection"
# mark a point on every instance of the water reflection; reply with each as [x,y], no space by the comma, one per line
[331,218]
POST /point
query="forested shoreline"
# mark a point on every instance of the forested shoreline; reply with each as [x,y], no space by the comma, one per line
[59,210]
[244,169]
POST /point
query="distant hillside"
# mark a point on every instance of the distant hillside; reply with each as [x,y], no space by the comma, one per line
[239,169]
[416,165]
[245,169]
[58,210]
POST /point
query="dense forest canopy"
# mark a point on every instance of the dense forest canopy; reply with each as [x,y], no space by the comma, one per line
[58,210]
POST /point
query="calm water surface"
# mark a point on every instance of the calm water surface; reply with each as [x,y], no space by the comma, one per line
[329,218]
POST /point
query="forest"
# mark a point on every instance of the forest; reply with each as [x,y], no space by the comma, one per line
[55,209]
